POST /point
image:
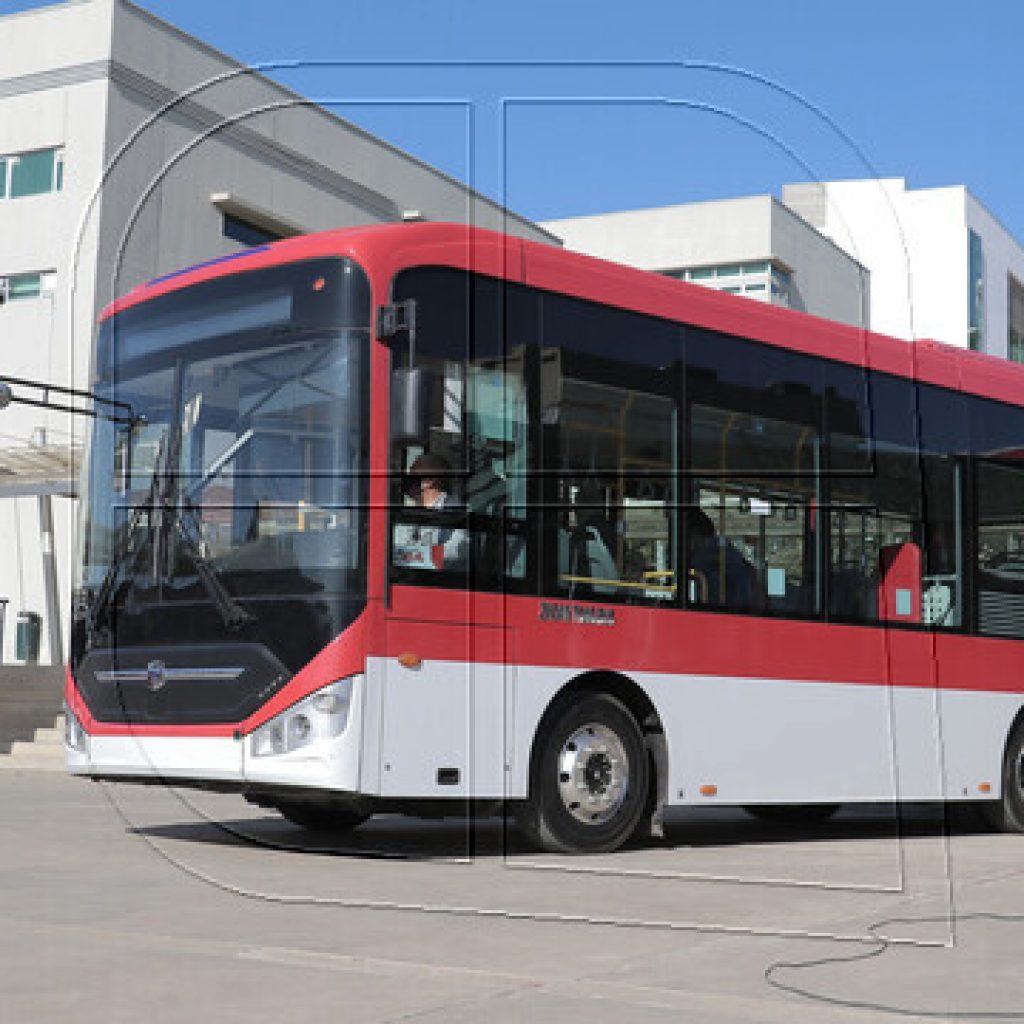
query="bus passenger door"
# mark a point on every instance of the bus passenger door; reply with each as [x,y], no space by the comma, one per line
[442,707]
[460,535]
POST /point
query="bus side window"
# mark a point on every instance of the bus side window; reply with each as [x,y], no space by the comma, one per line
[997,449]
[754,432]
[875,501]
[609,442]
[944,443]
[1000,549]
[469,342]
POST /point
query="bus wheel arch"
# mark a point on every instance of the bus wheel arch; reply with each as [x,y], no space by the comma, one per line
[1007,813]
[608,712]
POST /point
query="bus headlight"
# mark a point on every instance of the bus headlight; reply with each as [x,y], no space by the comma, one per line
[320,716]
[75,737]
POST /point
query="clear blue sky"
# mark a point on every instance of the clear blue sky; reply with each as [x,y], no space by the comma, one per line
[931,91]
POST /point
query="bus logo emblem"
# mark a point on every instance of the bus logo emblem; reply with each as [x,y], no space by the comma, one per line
[156,675]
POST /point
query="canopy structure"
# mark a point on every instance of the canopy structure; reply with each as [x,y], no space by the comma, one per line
[43,470]
[38,470]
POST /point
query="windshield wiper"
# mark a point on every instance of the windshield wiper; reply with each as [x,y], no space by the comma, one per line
[170,515]
[233,614]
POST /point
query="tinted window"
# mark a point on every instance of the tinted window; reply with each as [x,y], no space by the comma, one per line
[459,493]
[944,473]
[609,388]
[997,437]
[754,441]
[875,511]
[34,173]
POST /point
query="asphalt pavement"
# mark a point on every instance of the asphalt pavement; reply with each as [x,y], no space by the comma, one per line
[135,904]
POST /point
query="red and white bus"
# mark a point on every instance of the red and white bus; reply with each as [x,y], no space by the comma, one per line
[413,516]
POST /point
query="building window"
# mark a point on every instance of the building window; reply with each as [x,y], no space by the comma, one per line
[762,280]
[976,295]
[15,287]
[246,232]
[1014,319]
[31,174]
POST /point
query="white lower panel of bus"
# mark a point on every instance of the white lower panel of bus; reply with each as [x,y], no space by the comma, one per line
[764,740]
[168,757]
[754,740]
[436,730]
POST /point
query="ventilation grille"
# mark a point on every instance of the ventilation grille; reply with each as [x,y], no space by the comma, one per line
[1000,613]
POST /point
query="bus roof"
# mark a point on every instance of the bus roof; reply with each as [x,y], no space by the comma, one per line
[384,249]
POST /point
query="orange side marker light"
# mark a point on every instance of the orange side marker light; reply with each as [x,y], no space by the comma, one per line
[709,791]
[409,660]
[984,787]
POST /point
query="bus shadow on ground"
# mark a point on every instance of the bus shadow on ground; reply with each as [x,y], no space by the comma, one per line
[399,837]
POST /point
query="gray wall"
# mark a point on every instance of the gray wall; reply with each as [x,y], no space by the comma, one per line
[300,163]
[826,281]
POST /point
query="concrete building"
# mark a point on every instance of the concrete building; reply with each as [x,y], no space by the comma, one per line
[753,246]
[129,149]
[941,265]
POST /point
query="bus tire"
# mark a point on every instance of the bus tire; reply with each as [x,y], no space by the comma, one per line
[1007,813]
[326,817]
[590,778]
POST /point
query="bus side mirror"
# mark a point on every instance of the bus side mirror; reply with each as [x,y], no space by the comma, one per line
[410,412]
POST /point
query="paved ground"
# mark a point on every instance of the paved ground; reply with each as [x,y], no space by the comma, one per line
[123,904]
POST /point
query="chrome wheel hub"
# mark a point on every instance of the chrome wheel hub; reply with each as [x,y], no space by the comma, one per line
[593,774]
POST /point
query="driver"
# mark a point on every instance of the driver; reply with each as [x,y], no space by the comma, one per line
[428,546]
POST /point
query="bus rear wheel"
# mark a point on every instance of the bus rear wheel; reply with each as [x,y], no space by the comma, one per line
[316,817]
[590,779]
[1007,813]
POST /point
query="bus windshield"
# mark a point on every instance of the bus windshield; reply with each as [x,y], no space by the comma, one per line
[243,481]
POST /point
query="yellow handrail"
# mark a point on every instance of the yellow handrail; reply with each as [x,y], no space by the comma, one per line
[626,584]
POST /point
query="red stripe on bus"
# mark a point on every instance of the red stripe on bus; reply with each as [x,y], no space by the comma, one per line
[677,641]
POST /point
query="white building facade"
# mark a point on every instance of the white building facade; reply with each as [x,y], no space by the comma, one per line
[752,246]
[129,149]
[942,266]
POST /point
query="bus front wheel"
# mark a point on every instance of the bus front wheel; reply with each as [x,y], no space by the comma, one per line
[1007,813]
[590,779]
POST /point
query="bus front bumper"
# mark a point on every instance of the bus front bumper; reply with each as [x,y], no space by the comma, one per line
[312,744]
